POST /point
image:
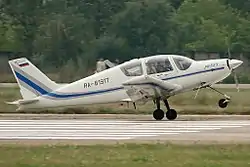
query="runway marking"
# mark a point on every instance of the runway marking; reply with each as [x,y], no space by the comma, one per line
[96,123]
[101,131]
[105,129]
[58,128]
[64,138]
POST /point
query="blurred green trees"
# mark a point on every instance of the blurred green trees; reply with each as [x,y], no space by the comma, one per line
[55,32]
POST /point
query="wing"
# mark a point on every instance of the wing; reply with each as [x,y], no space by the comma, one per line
[146,87]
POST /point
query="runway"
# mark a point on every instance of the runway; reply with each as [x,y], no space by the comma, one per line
[101,131]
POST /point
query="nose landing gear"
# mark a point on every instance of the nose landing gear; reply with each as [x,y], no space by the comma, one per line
[222,102]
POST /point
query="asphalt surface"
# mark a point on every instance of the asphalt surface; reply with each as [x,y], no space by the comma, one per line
[112,130]
[117,116]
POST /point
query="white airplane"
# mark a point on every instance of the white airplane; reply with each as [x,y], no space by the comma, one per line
[154,78]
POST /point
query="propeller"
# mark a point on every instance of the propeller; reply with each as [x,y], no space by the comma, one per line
[233,71]
[236,81]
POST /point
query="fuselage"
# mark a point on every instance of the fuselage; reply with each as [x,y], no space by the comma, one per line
[107,86]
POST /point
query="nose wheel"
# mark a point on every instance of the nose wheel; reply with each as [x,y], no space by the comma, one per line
[223,103]
[158,114]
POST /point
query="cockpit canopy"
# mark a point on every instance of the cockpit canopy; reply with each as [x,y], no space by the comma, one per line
[156,64]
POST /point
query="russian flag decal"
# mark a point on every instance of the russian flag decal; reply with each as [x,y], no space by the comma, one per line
[23,64]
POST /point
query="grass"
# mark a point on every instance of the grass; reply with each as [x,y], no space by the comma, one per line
[123,155]
[205,103]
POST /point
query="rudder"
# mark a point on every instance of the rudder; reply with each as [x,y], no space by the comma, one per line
[31,81]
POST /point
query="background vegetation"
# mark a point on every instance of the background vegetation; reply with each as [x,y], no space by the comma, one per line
[71,34]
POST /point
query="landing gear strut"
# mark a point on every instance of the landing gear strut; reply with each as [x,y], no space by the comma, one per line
[171,114]
[222,102]
[158,114]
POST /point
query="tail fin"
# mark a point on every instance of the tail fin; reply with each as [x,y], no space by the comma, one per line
[31,81]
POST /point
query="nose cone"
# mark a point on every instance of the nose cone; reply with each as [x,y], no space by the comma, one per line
[235,63]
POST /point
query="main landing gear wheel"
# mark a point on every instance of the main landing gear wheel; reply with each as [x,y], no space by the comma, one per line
[223,103]
[171,114]
[158,114]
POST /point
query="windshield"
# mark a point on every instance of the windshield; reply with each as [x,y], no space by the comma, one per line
[158,66]
[182,63]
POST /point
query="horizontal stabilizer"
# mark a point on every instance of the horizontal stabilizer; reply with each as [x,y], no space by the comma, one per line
[19,102]
[13,102]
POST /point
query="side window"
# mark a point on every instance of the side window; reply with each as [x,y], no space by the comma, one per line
[132,70]
[158,66]
[182,63]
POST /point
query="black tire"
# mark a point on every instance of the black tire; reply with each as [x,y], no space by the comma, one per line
[158,114]
[171,114]
[222,103]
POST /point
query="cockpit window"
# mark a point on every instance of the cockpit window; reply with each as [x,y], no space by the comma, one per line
[158,66]
[182,63]
[134,69]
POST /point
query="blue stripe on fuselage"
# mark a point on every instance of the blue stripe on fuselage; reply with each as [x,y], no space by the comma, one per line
[83,94]
[51,94]
[55,95]
[194,73]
